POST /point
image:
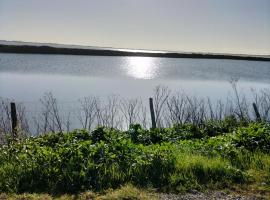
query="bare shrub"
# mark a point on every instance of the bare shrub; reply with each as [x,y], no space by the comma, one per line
[113,112]
[161,94]
[241,106]
[108,112]
[88,112]
[51,118]
[131,109]
[196,110]
[177,109]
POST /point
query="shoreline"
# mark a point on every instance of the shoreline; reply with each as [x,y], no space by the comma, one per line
[44,49]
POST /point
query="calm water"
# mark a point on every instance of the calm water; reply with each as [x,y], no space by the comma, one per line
[25,77]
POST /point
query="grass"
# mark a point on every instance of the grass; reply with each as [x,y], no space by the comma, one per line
[200,172]
[133,193]
[115,164]
[125,192]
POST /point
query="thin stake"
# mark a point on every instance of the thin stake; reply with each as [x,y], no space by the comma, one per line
[14,121]
[258,116]
[153,119]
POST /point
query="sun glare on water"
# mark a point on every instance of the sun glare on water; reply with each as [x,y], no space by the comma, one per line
[141,67]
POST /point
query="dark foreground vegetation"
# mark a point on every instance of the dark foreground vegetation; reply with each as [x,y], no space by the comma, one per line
[213,155]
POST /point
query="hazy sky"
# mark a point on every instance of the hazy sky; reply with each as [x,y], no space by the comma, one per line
[230,26]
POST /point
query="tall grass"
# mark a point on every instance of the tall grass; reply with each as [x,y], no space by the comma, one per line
[201,172]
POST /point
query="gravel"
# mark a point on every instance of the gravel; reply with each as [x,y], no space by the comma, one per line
[210,195]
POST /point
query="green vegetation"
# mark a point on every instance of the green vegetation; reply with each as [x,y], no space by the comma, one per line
[212,155]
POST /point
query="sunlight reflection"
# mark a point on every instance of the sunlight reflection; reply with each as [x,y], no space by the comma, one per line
[141,67]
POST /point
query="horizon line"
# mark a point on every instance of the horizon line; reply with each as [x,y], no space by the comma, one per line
[135,49]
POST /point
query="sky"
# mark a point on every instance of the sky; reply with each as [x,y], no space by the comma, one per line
[217,26]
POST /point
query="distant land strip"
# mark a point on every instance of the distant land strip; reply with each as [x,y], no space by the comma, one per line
[28,49]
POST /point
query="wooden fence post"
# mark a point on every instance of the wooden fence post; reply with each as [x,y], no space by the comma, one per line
[258,116]
[153,119]
[14,121]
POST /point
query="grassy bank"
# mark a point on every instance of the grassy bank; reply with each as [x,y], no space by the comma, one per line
[210,156]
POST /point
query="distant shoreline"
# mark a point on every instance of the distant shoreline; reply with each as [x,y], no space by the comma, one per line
[44,49]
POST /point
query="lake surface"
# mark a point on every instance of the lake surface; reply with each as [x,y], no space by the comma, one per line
[25,77]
